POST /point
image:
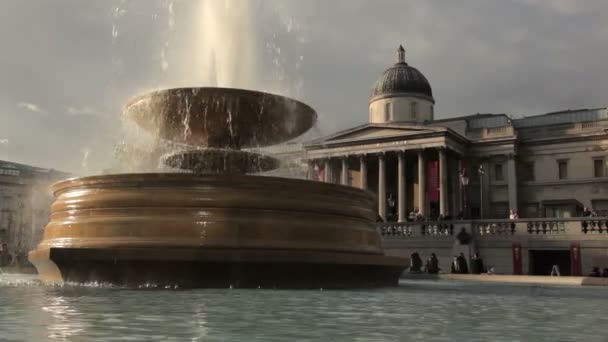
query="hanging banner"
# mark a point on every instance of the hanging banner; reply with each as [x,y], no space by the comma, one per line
[575,259]
[432,181]
[517,270]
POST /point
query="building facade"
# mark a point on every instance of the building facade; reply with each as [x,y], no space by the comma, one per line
[475,166]
[25,207]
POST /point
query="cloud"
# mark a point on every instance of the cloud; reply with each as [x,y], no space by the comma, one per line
[522,57]
[32,107]
[86,110]
[3,141]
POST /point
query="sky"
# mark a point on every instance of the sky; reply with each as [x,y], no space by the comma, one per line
[68,66]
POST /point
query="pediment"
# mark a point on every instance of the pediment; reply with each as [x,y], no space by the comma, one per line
[379,132]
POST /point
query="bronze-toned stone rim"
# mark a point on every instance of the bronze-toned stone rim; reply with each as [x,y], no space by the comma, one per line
[187,179]
[257,119]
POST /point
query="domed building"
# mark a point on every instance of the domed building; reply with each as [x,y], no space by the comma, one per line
[523,176]
[417,163]
[401,94]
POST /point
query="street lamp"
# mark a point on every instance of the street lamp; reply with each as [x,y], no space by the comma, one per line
[464,181]
[481,172]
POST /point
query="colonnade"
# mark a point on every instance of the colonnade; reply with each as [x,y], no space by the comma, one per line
[328,176]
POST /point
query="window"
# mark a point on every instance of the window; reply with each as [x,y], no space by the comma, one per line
[387,112]
[414,108]
[498,175]
[562,167]
[600,207]
[529,210]
[599,169]
[9,172]
[526,171]
[371,114]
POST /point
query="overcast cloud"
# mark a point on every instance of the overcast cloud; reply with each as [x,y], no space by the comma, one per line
[67,66]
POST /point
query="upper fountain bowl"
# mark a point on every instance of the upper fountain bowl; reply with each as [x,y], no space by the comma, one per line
[220,117]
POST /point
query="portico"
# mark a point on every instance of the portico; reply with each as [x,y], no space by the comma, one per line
[415,167]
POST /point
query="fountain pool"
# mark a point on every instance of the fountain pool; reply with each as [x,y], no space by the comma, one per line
[414,311]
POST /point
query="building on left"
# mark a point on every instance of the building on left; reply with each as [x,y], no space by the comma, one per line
[25,204]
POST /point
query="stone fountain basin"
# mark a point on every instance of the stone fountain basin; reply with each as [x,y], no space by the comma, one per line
[213,231]
[220,117]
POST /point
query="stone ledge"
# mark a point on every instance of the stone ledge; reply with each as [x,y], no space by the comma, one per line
[515,279]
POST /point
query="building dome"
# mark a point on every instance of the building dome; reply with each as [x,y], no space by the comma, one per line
[401,94]
[401,79]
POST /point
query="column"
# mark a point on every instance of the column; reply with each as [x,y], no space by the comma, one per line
[443,182]
[363,172]
[485,190]
[344,171]
[421,182]
[401,185]
[382,186]
[311,170]
[512,182]
[327,171]
[460,187]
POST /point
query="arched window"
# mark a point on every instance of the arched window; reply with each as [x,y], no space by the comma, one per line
[387,112]
[414,110]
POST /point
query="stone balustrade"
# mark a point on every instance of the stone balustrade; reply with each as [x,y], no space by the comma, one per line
[488,228]
[418,229]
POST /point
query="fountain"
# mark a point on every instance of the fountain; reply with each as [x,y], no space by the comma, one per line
[215,225]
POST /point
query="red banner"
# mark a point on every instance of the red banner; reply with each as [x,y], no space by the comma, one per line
[517,258]
[432,183]
[575,259]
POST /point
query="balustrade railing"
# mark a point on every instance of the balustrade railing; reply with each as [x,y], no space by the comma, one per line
[407,229]
[594,226]
[542,226]
[488,228]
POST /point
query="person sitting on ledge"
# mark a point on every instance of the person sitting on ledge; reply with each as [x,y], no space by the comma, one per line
[462,264]
[415,263]
[595,272]
[432,264]
[605,273]
[476,264]
[455,265]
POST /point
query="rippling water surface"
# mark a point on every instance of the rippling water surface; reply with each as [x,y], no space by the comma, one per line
[415,311]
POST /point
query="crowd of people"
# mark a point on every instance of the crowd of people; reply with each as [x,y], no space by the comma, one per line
[458,265]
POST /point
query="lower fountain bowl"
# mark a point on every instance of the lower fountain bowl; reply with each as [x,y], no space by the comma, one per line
[213,231]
